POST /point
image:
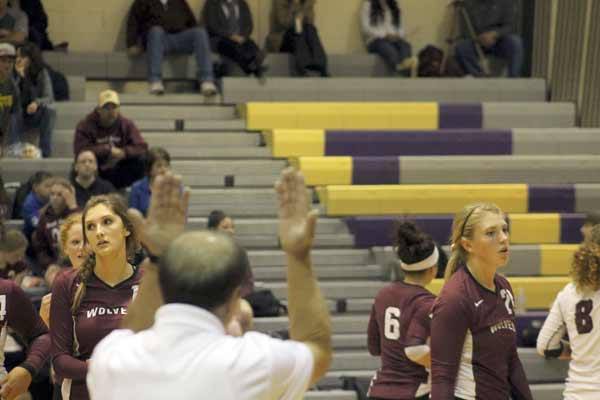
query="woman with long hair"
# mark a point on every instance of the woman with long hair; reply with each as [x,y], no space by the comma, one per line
[36,95]
[90,302]
[381,22]
[576,312]
[473,333]
[399,323]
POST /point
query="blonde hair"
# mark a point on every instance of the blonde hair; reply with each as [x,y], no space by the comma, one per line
[585,267]
[463,226]
[65,227]
[117,205]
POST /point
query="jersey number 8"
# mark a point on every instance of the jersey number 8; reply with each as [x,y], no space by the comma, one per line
[583,320]
[392,323]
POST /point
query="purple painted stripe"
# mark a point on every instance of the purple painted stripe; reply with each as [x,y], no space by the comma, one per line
[570,225]
[380,231]
[528,325]
[552,198]
[375,170]
[460,116]
[419,143]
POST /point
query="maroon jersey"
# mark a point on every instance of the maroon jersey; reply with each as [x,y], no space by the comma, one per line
[10,271]
[17,313]
[399,318]
[45,239]
[473,342]
[101,311]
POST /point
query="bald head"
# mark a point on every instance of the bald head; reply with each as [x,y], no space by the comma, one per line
[202,269]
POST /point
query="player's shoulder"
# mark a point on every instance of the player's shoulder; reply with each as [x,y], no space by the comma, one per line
[7,286]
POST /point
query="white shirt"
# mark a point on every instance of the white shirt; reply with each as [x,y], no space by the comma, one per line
[578,314]
[187,355]
[383,28]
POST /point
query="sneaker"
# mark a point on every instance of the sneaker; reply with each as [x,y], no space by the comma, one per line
[208,88]
[157,88]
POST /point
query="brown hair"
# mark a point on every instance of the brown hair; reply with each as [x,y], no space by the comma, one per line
[65,227]
[463,226]
[58,180]
[412,245]
[585,267]
[117,205]
[12,240]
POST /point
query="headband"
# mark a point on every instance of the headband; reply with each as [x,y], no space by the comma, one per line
[423,264]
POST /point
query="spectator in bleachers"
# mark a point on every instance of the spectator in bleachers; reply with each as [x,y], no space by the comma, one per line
[14,25]
[45,238]
[36,97]
[293,31]
[381,22]
[158,162]
[8,92]
[85,179]
[35,201]
[229,24]
[38,25]
[169,26]
[13,262]
[591,219]
[493,24]
[117,143]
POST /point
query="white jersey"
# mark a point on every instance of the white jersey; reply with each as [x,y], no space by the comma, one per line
[578,315]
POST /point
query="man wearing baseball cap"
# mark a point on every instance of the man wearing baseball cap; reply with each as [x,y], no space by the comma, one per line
[8,92]
[114,139]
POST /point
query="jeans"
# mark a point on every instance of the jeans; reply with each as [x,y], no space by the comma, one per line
[194,40]
[392,52]
[43,119]
[508,47]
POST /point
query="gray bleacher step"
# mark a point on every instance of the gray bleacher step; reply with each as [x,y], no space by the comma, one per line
[143,124]
[335,290]
[330,395]
[549,391]
[528,115]
[274,258]
[272,241]
[76,87]
[334,379]
[345,272]
[269,226]
[239,90]
[166,99]
[224,125]
[339,323]
[568,141]
[135,112]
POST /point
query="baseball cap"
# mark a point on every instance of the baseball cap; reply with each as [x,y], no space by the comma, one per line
[108,96]
[7,50]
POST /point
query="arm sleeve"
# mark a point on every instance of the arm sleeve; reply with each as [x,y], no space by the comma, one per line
[210,16]
[136,145]
[420,325]
[28,324]
[373,338]
[449,327]
[133,25]
[519,388]
[369,31]
[30,214]
[46,95]
[548,341]
[42,249]
[61,320]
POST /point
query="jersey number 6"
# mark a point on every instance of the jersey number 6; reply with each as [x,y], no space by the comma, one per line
[392,323]
[583,320]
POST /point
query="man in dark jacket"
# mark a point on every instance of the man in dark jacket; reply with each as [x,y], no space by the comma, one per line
[85,179]
[493,25]
[114,139]
[168,26]
[229,24]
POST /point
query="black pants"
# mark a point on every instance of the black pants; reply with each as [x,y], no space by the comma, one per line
[246,55]
[125,172]
[307,49]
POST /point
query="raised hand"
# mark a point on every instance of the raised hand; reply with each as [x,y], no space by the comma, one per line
[166,215]
[297,223]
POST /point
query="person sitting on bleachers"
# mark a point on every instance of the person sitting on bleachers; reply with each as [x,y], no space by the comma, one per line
[169,26]
[36,199]
[8,92]
[229,24]
[14,25]
[115,140]
[293,31]
[38,25]
[45,238]
[85,178]
[493,23]
[13,264]
[158,162]
[36,96]
[381,22]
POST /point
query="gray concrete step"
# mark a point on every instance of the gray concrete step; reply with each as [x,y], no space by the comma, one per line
[330,395]
[135,112]
[335,290]
[342,272]
[347,257]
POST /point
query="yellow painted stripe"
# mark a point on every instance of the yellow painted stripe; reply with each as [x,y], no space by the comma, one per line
[556,258]
[537,292]
[325,170]
[346,115]
[535,228]
[296,142]
[421,199]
